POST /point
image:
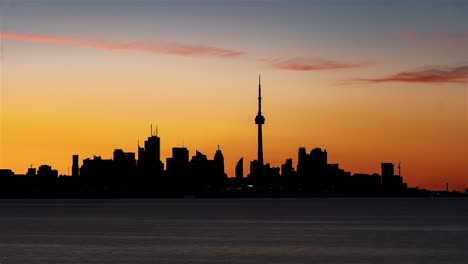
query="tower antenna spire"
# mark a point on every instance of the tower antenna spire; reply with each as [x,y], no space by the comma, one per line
[259,96]
[151,134]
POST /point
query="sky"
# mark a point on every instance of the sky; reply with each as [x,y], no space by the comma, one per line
[369,81]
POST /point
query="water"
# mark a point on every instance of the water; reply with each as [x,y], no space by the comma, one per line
[415,230]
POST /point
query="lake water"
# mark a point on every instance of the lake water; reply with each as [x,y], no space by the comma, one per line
[341,230]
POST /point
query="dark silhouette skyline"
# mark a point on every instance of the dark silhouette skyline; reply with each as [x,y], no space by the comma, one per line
[144,176]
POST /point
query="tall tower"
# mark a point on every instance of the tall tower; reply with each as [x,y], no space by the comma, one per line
[260,120]
[240,169]
[149,157]
[75,166]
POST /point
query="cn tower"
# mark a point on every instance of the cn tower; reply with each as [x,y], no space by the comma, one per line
[260,120]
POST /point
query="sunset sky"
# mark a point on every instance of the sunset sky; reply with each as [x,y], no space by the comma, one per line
[369,81]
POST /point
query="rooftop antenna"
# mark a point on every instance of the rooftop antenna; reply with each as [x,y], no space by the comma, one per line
[151,130]
[156,130]
[399,169]
[218,146]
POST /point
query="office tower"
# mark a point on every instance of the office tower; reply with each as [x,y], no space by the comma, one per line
[149,157]
[219,162]
[387,173]
[287,168]
[240,169]
[75,166]
[177,165]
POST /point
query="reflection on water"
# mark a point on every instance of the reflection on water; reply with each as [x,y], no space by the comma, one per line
[234,231]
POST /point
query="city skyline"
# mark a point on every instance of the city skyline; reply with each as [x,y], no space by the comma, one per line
[143,174]
[369,82]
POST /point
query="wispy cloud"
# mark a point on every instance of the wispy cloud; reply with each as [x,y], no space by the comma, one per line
[310,64]
[424,75]
[166,48]
[447,40]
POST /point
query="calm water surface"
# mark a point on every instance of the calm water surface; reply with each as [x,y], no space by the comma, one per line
[415,230]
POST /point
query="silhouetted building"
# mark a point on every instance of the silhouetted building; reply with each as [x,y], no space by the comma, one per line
[317,177]
[203,176]
[218,161]
[180,156]
[31,172]
[287,168]
[302,160]
[365,184]
[391,184]
[141,158]
[97,168]
[255,168]
[149,157]
[263,177]
[313,164]
[75,166]
[6,173]
[387,172]
[318,157]
[240,169]
[46,171]
[125,159]
[177,165]
[198,169]
[125,163]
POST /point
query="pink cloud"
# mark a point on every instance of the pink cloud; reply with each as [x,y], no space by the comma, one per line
[425,75]
[449,40]
[309,64]
[166,48]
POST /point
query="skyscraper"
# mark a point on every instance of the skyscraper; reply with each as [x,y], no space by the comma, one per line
[149,157]
[219,162]
[75,166]
[260,120]
[179,163]
[387,173]
[240,169]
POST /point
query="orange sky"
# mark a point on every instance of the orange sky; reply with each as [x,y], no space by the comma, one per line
[376,93]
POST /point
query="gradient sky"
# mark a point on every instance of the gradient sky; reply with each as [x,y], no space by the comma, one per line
[369,81]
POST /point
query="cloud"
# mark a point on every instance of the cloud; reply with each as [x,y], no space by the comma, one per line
[425,75]
[309,64]
[166,48]
[448,40]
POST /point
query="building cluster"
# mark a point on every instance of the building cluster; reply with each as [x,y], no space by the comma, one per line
[126,175]
[144,175]
[315,176]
